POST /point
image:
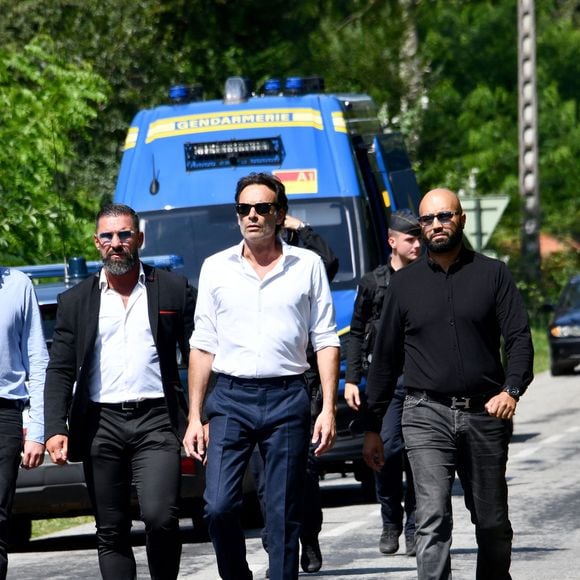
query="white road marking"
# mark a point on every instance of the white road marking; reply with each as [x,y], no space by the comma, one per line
[531,450]
[340,530]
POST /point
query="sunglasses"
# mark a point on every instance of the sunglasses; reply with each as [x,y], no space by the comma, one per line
[262,208]
[443,217]
[106,238]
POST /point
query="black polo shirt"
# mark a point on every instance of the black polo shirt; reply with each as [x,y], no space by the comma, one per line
[447,327]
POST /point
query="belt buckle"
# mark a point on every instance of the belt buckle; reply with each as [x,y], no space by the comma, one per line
[129,405]
[460,402]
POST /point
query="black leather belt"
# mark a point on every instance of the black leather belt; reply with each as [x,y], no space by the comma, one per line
[131,406]
[283,381]
[474,403]
[11,404]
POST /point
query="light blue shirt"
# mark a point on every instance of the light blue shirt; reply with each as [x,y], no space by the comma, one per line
[23,354]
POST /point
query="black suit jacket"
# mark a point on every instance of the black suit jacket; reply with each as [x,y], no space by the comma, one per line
[171,304]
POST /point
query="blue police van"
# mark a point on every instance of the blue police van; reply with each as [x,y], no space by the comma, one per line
[342,173]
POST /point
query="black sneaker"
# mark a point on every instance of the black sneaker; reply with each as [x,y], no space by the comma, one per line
[389,542]
[410,548]
[311,560]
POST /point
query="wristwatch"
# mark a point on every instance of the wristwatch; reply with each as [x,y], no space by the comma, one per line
[514,392]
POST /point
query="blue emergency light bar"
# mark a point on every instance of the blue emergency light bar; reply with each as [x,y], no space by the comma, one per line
[273,87]
[243,152]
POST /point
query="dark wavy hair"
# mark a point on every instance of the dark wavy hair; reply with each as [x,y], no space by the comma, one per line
[270,181]
[116,210]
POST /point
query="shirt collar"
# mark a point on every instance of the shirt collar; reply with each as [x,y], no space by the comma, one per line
[238,249]
[465,255]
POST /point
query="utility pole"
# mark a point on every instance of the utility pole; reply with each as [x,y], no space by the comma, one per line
[528,139]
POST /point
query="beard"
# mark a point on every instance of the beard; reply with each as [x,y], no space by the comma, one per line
[122,266]
[446,244]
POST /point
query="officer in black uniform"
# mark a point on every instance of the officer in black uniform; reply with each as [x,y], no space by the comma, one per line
[297,233]
[404,232]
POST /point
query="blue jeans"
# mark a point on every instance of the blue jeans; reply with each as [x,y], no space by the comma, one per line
[10,448]
[273,414]
[441,441]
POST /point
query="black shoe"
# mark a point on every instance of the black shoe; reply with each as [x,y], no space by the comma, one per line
[410,548]
[311,560]
[389,542]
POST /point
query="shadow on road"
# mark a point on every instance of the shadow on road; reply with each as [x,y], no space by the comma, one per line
[87,541]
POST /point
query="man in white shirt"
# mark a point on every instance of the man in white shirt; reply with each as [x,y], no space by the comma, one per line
[116,337]
[258,304]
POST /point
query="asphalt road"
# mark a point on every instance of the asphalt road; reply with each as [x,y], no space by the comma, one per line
[544,483]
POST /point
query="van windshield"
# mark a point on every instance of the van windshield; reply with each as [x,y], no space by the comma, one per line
[195,233]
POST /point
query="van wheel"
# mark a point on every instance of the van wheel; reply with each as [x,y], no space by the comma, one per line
[368,487]
[19,531]
[251,515]
[366,476]
[200,532]
[559,369]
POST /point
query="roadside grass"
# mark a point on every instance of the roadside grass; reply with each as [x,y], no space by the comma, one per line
[541,349]
[44,527]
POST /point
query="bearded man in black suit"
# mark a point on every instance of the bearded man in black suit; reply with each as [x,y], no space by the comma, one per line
[116,339]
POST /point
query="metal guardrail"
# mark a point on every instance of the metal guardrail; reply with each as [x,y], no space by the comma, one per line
[78,268]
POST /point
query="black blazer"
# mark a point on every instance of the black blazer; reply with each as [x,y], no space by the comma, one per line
[171,304]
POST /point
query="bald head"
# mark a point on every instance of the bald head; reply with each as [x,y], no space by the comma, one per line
[442,219]
[439,199]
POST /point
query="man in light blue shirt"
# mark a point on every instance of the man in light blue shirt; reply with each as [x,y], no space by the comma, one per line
[23,360]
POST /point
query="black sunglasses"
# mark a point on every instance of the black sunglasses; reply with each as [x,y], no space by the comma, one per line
[262,208]
[443,217]
[106,238]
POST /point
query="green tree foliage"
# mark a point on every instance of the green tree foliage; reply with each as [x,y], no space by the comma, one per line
[463,119]
[142,47]
[45,106]
[442,71]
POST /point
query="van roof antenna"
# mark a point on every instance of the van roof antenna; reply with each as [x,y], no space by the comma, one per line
[154,185]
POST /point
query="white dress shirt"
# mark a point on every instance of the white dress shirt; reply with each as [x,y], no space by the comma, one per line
[260,328]
[125,366]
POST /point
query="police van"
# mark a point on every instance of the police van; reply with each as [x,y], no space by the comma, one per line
[342,173]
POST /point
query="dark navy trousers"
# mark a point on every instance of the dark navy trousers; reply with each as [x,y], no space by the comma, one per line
[274,414]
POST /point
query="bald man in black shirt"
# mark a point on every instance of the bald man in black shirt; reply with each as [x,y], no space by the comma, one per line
[444,317]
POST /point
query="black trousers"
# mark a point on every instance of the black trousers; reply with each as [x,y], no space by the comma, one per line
[136,446]
[10,448]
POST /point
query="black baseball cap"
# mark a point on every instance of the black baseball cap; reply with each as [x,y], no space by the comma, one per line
[405,221]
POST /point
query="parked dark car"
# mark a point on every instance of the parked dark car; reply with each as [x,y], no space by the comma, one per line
[564,330]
